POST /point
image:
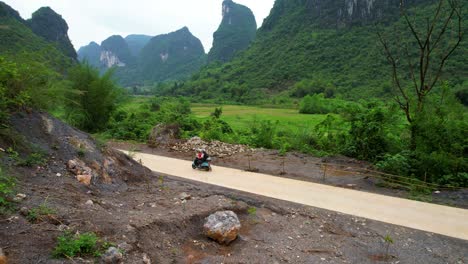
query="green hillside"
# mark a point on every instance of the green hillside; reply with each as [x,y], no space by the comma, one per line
[321,42]
[137,42]
[171,56]
[17,41]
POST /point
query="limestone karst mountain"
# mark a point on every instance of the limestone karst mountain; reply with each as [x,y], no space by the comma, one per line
[236,31]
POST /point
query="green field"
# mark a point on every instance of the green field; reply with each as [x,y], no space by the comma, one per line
[239,117]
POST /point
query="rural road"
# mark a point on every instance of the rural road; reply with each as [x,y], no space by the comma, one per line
[434,218]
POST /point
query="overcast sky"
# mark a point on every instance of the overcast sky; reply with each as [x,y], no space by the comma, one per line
[95,20]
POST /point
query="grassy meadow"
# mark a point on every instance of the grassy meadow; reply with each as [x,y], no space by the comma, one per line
[240,117]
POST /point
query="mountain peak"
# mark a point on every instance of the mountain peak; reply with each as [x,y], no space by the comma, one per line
[236,31]
[46,23]
[8,11]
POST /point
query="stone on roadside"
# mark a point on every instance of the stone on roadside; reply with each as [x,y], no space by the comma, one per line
[222,226]
[185,196]
[112,256]
[89,202]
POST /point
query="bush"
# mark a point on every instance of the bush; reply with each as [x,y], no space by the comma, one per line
[314,104]
[454,180]
[263,133]
[368,134]
[398,164]
[69,245]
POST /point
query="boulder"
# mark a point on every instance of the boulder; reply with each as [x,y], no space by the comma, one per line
[163,134]
[222,226]
[112,256]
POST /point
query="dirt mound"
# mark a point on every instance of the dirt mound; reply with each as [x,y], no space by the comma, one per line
[214,148]
[55,143]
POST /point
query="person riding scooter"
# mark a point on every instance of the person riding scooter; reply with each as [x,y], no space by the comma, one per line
[200,158]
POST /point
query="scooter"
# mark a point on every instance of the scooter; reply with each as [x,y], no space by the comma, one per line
[206,166]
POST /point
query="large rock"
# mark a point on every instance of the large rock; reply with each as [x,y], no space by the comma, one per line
[163,134]
[222,226]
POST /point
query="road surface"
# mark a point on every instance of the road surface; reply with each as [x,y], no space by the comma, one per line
[434,218]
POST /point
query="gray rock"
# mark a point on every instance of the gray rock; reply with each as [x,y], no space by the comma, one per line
[222,226]
[112,256]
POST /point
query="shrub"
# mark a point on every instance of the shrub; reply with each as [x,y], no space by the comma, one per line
[398,164]
[69,245]
[263,133]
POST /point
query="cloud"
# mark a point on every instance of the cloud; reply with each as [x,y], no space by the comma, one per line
[91,20]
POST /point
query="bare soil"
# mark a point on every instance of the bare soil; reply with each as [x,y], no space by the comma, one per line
[144,210]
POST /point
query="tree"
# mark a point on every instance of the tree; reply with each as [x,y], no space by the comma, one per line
[92,98]
[422,60]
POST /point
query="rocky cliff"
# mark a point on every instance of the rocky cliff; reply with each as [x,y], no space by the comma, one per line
[46,23]
[115,52]
[236,31]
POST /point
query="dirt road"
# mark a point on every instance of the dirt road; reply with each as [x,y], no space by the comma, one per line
[438,219]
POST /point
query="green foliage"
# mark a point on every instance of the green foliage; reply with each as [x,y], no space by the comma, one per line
[368,133]
[92,98]
[7,184]
[311,87]
[252,211]
[318,104]
[70,246]
[39,213]
[263,133]
[398,164]
[26,83]
[217,112]
[134,121]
